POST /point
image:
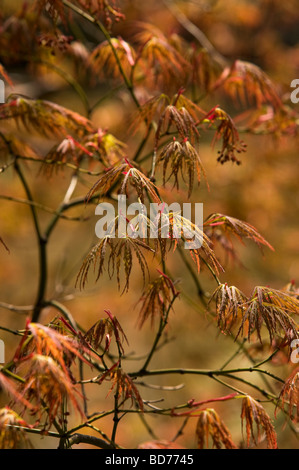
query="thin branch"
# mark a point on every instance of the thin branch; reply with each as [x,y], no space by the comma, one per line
[61,163]
[107,36]
[167,388]
[163,323]
[65,312]
[235,354]
[200,291]
[17,308]
[209,373]
[14,332]
[196,33]
[41,245]
[92,440]
[40,206]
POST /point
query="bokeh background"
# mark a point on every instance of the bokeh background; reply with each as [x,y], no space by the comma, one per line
[263,191]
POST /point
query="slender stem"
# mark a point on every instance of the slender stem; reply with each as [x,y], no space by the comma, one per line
[116,418]
[107,36]
[5,370]
[42,248]
[231,387]
[71,81]
[60,163]
[91,426]
[39,206]
[143,372]
[110,93]
[147,426]
[35,431]
[249,357]
[163,323]
[16,308]
[65,312]
[62,207]
[181,429]
[212,271]
[83,392]
[30,198]
[156,341]
[200,291]
[235,354]
[142,143]
[84,439]
[14,332]
[196,33]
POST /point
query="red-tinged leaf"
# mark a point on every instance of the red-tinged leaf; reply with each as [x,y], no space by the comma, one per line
[253,412]
[273,309]
[120,256]
[9,386]
[45,117]
[11,435]
[103,63]
[230,225]
[43,340]
[48,385]
[230,306]
[250,84]
[160,60]
[157,299]
[123,385]
[289,395]
[209,425]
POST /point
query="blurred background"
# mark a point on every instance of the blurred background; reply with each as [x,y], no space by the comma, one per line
[262,191]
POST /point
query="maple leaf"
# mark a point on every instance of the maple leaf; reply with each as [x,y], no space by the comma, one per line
[12,436]
[205,70]
[45,117]
[47,385]
[230,305]
[160,60]
[121,254]
[182,158]
[102,60]
[43,340]
[54,8]
[9,386]
[227,132]
[273,309]
[268,307]
[123,385]
[179,117]
[130,176]
[290,395]
[230,225]
[106,328]
[104,10]
[156,299]
[210,425]
[253,412]
[250,84]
